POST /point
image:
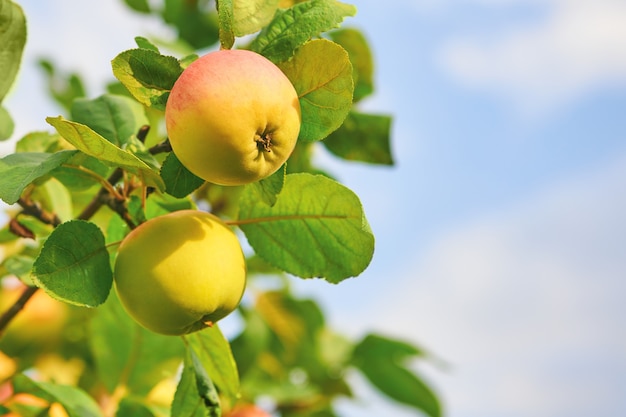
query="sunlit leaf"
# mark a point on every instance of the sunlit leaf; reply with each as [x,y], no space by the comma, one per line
[317,228]
[353,41]
[322,75]
[91,143]
[362,137]
[291,28]
[115,118]
[18,170]
[55,198]
[250,16]
[148,75]
[225,17]
[12,39]
[144,43]
[75,401]
[73,265]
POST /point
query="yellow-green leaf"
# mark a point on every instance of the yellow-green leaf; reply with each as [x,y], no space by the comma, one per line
[321,72]
[316,228]
[91,143]
[12,39]
[360,54]
[225,19]
[250,16]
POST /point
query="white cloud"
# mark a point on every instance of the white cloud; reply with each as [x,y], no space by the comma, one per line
[579,47]
[527,305]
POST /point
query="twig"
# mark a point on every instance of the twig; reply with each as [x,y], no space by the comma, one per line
[102,197]
[17,306]
[34,209]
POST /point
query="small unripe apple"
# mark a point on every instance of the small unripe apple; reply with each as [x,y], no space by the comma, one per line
[232,117]
[247,410]
[180,272]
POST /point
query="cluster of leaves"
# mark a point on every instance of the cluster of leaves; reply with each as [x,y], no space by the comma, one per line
[76,191]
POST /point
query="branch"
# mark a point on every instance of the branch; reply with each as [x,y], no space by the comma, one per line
[17,306]
[34,209]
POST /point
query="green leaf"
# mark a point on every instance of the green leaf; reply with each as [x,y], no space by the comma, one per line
[63,88]
[382,361]
[77,179]
[225,18]
[144,43]
[195,394]
[317,228]
[322,75]
[6,124]
[18,170]
[115,118]
[54,197]
[250,16]
[77,403]
[38,142]
[91,143]
[205,386]
[291,28]
[126,353]
[130,406]
[362,137]
[214,354]
[179,181]
[20,266]
[254,339]
[74,264]
[141,6]
[271,186]
[12,39]
[353,41]
[196,24]
[148,75]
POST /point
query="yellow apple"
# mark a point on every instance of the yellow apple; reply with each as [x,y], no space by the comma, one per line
[232,117]
[180,272]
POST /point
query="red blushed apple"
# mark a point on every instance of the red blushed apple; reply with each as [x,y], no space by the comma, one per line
[232,117]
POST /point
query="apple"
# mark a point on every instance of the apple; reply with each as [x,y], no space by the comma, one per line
[247,410]
[232,117]
[180,272]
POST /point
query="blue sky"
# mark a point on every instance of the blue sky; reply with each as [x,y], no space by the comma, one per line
[501,239]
